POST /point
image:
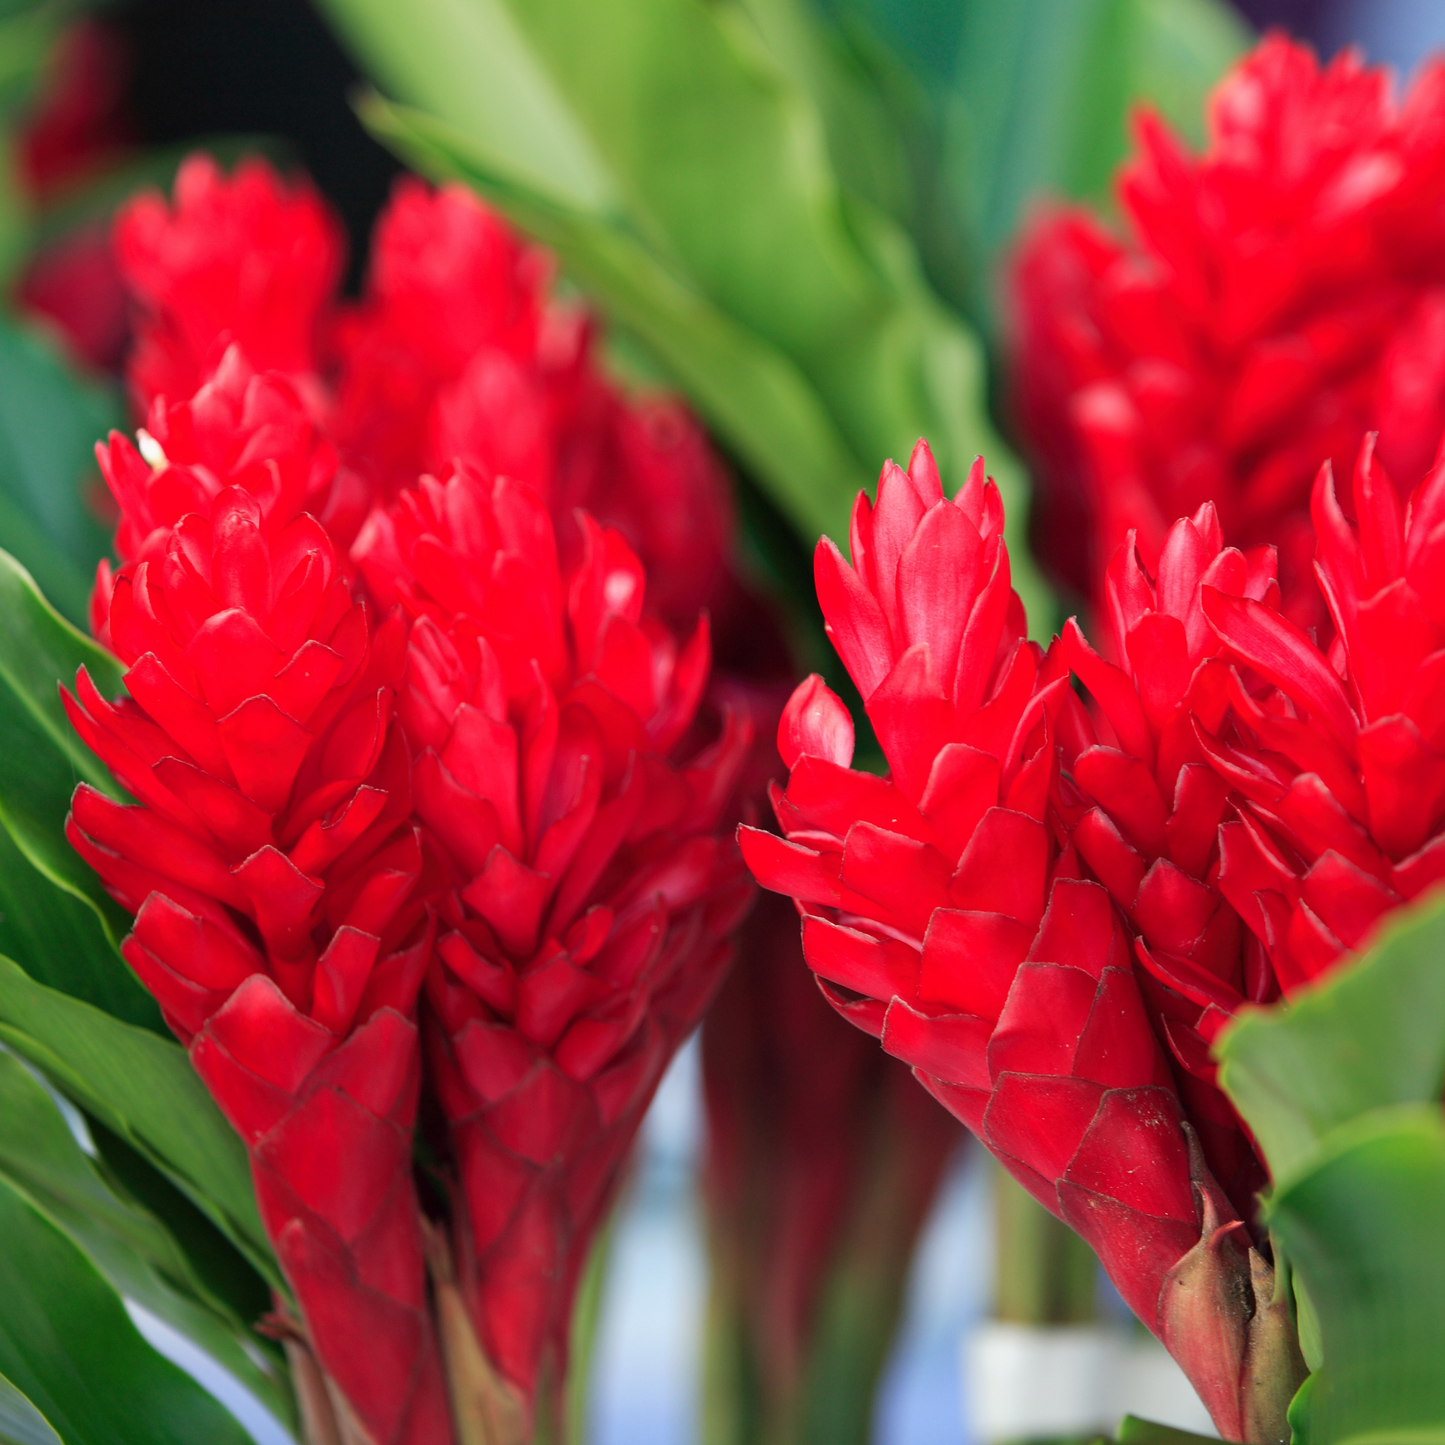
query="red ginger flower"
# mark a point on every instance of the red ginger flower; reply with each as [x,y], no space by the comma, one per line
[1145,807]
[1274,299]
[269,861]
[591,898]
[946,912]
[457,350]
[247,258]
[440,359]
[1340,764]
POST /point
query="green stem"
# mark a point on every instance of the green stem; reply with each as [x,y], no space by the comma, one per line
[1044,1273]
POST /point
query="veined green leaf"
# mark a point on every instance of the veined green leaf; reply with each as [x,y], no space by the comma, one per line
[131,1247]
[67,1344]
[20,1422]
[143,1088]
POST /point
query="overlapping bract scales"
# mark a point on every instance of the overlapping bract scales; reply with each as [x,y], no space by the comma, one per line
[949,908]
[1339,762]
[457,348]
[590,896]
[1272,300]
[270,860]
[247,258]
[1143,807]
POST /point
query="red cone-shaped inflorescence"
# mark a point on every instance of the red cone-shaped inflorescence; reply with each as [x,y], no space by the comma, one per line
[948,908]
[457,349]
[270,860]
[590,890]
[1272,300]
[1143,810]
[1339,763]
[248,258]
[441,358]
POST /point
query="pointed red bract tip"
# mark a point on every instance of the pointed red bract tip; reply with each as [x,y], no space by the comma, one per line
[815,722]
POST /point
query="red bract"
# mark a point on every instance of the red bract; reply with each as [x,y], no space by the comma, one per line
[590,898]
[1145,807]
[240,429]
[1340,763]
[458,349]
[440,359]
[1273,299]
[948,913]
[248,259]
[269,860]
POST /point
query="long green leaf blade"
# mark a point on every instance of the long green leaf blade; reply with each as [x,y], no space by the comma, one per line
[144,1089]
[140,1257]
[20,1422]
[68,1345]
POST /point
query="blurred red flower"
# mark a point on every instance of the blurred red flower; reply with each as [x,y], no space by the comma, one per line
[1271,301]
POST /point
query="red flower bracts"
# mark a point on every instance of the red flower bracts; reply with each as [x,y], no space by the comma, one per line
[591,892]
[1273,299]
[947,911]
[247,258]
[457,349]
[1145,806]
[1340,764]
[440,359]
[270,859]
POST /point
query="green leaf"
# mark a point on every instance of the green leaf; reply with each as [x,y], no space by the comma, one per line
[54,915]
[50,421]
[744,387]
[1361,1223]
[1373,1034]
[1134,1431]
[68,1345]
[1342,1090]
[685,175]
[20,1422]
[143,1088]
[131,1247]
[1044,90]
